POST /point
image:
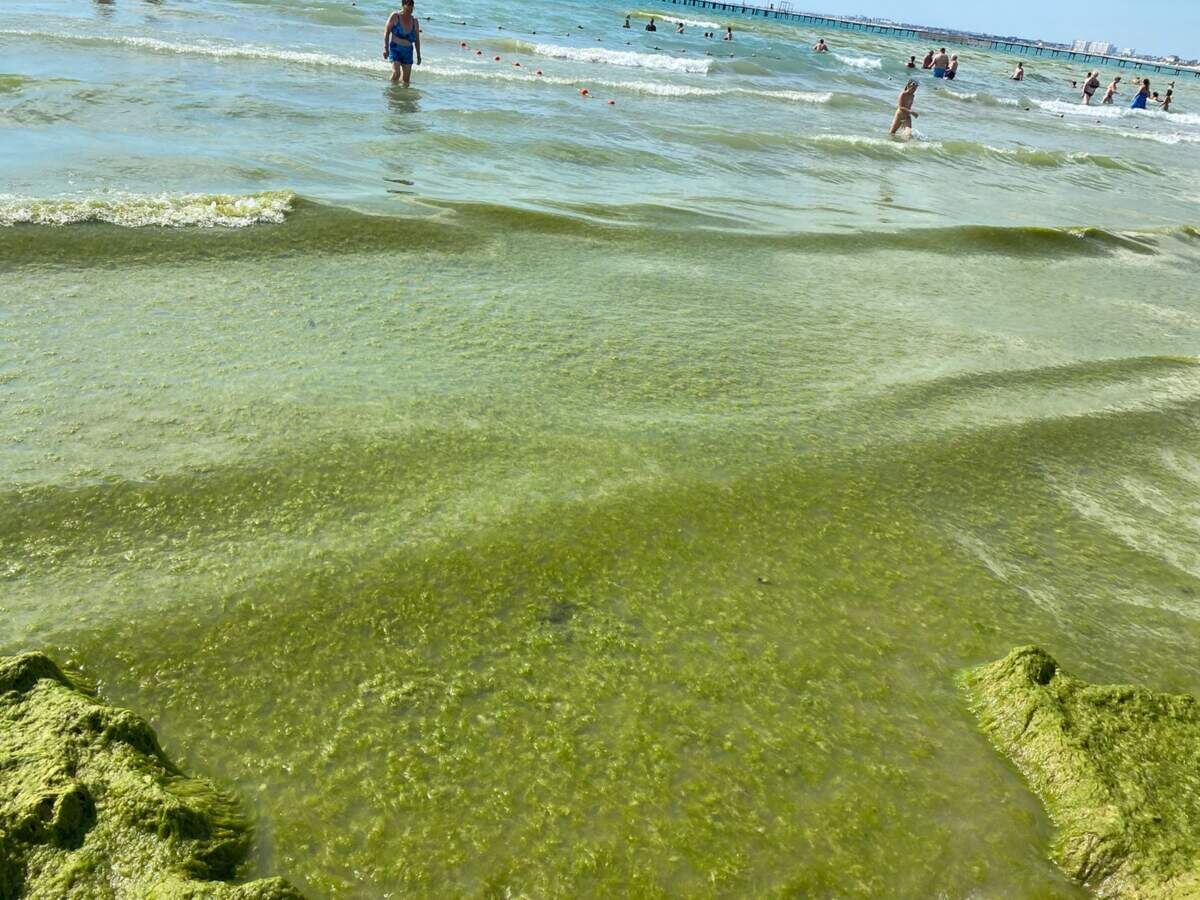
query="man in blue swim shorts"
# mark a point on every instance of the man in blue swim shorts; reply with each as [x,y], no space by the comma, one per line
[401,40]
[941,62]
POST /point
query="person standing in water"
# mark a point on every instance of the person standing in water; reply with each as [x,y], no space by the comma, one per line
[952,69]
[912,63]
[401,39]
[1019,74]
[1111,91]
[820,46]
[626,25]
[1139,101]
[1166,101]
[940,63]
[652,26]
[904,108]
[1090,85]
[728,33]
[928,63]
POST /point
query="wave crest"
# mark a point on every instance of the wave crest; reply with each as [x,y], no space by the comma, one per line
[625,58]
[164,210]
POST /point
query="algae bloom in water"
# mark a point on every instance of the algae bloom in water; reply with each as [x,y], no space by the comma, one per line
[91,807]
[1117,767]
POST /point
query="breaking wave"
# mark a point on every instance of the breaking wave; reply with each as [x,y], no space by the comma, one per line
[163,210]
[625,58]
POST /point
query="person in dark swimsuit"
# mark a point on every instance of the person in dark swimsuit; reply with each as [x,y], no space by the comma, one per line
[401,39]
[928,63]
[652,26]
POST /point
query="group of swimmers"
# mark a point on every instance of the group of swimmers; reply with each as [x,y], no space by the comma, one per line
[1141,100]
[943,65]
[651,26]
[402,48]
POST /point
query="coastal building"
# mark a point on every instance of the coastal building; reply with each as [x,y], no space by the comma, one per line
[1100,48]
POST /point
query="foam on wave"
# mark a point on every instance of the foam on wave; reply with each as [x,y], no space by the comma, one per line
[970,150]
[625,58]
[140,211]
[859,62]
[1117,112]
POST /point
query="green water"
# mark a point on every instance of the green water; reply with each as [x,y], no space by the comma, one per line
[499,549]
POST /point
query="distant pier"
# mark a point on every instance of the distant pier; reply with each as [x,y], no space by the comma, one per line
[941,38]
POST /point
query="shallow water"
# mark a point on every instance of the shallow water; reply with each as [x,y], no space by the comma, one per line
[507,492]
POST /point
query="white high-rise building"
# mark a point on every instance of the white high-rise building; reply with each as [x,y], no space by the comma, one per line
[1101,48]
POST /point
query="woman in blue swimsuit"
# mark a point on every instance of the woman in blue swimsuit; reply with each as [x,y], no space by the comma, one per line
[401,40]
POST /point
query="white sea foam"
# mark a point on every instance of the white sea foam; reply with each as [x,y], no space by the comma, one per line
[1118,112]
[691,23]
[139,211]
[860,62]
[1169,139]
[696,23]
[624,58]
[986,99]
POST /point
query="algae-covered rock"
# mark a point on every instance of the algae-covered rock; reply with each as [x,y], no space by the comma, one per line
[1117,767]
[90,806]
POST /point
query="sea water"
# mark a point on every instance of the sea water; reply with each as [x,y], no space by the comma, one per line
[510,493]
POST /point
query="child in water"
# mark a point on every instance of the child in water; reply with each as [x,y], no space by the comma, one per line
[904,109]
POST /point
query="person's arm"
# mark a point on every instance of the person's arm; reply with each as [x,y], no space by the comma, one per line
[417,38]
[387,34]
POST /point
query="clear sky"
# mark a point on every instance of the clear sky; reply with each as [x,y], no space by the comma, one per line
[1149,26]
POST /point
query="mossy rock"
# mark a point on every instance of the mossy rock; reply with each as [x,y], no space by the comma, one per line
[1117,767]
[90,807]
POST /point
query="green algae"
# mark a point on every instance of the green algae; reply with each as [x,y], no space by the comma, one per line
[91,807]
[1117,767]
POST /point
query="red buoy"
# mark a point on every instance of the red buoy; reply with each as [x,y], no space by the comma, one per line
[538,72]
[516,65]
[497,59]
[583,92]
[612,102]
[479,53]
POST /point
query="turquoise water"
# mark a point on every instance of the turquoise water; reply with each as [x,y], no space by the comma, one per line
[510,493]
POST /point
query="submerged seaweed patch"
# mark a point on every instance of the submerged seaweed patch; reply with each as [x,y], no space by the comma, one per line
[1118,768]
[91,807]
